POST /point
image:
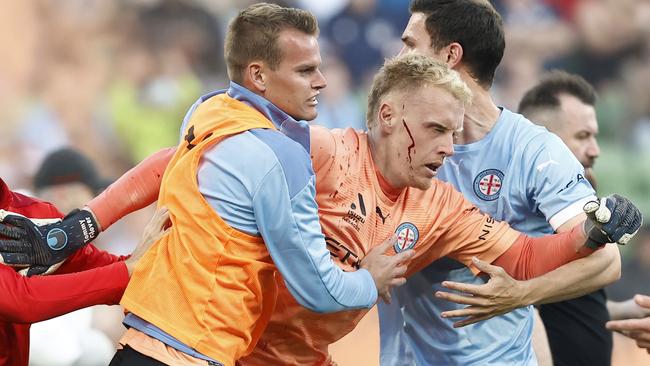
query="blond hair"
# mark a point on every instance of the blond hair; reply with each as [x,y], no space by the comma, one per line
[253,35]
[410,72]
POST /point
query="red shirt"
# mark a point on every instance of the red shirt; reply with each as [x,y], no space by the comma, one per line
[89,277]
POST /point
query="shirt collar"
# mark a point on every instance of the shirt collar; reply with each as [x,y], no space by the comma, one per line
[295,130]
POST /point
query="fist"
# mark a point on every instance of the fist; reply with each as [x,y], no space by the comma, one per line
[613,219]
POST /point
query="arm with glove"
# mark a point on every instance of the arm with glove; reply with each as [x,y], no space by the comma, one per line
[32,299]
[613,219]
[43,247]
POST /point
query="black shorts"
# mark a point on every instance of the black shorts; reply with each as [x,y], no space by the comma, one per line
[576,331]
[127,356]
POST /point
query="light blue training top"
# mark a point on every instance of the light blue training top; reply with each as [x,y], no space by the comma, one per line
[261,182]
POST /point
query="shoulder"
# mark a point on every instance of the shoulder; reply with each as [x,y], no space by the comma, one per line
[448,196]
[527,132]
[521,129]
[328,146]
[529,139]
[259,152]
[292,156]
[322,140]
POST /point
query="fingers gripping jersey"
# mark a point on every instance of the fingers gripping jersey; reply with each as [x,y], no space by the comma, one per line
[357,215]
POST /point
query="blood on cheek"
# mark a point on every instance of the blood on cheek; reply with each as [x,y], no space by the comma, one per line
[412,145]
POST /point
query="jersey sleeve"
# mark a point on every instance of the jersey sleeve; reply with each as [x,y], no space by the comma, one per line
[53,211]
[37,298]
[558,185]
[291,230]
[467,232]
[136,189]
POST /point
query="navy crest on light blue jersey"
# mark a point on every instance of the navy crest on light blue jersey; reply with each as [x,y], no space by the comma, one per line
[407,236]
[487,184]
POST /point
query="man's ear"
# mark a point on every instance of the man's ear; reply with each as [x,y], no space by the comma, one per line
[255,77]
[454,54]
[386,117]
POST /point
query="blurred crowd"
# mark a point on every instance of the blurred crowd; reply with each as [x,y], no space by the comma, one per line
[113,79]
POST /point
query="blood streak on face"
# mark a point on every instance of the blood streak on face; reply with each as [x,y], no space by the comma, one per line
[412,145]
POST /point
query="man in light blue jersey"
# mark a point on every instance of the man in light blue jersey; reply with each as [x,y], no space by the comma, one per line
[509,168]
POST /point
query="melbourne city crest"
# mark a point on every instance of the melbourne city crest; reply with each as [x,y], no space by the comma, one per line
[487,184]
[407,236]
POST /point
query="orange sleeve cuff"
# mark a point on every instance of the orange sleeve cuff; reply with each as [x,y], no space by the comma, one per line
[532,257]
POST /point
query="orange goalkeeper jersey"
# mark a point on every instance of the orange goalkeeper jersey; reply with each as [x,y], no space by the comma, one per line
[358,211]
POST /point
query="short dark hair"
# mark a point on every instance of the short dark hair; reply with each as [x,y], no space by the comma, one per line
[66,166]
[546,93]
[474,24]
[253,35]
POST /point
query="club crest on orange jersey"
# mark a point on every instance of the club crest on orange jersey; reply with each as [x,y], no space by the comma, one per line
[407,237]
[487,184]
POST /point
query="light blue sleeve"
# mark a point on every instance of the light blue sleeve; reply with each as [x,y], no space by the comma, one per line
[248,184]
[559,187]
[292,233]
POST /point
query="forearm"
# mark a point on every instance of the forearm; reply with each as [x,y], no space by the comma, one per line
[88,257]
[292,233]
[532,257]
[301,255]
[38,298]
[134,190]
[575,278]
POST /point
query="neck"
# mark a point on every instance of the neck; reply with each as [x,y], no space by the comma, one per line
[481,116]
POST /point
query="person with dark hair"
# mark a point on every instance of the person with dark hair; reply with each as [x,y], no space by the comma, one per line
[68,178]
[517,172]
[565,104]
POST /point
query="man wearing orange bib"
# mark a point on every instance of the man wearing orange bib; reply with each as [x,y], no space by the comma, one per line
[240,190]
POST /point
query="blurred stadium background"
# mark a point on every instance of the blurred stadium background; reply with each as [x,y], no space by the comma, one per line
[113,78]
